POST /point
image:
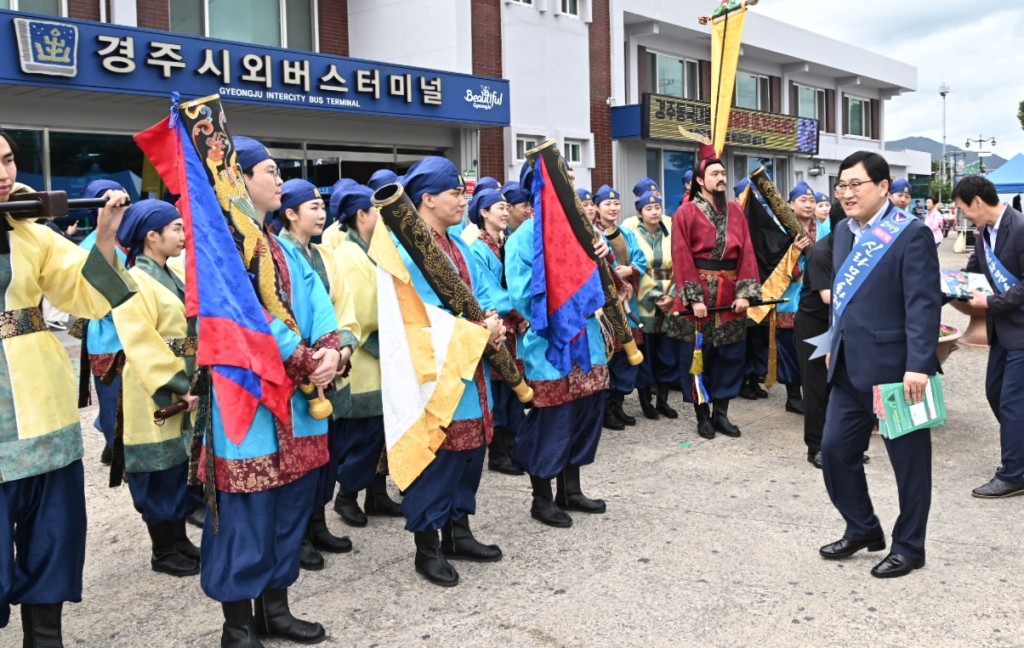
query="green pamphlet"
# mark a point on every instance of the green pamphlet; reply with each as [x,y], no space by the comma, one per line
[897,417]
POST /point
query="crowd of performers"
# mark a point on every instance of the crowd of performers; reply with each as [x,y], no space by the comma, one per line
[690,275]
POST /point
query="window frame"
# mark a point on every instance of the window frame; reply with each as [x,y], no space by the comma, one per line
[688,65]
[567,146]
[521,144]
[764,83]
[866,124]
[565,4]
[63,4]
[820,103]
[314,26]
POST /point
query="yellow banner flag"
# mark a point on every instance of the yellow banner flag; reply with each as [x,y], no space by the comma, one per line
[726,37]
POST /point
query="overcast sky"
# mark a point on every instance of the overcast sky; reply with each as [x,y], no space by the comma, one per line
[976,47]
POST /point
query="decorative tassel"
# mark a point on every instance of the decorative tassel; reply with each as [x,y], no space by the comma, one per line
[700,393]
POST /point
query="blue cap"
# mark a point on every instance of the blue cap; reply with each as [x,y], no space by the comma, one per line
[901,185]
[431,175]
[606,193]
[741,186]
[514,193]
[487,182]
[526,178]
[250,152]
[483,200]
[140,219]
[688,177]
[801,189]
[296,192]
[333,210]
[820,197]
[647,198]
[585,195]
[352,199]
[380,178]
[97,188]
[644,185]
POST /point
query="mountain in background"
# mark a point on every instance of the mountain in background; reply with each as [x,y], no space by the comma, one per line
[934,149]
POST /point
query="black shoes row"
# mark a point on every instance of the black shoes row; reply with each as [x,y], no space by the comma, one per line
[173,553]
[456,543]
[273,619]
[709,423]
[892,566]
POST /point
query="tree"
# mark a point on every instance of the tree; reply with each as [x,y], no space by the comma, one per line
[1020,114]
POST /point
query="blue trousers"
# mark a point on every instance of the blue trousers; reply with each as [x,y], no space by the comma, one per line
[42,539]
[623,375]
[1004,387]
[723,370]
[788,360]
[163,495]
[848,426]
[445,491]
[327,474]
[362,441]
[257,547]
[756,355]
[107,396]
[561,435]
[661,361]
[509,413]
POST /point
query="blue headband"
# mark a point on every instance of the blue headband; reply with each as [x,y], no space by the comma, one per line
[585,195]
[820,197]
[606,193]
[353,199]
[688,177]
[487,182]
[647,198]
[97,188]
[337,193]
[432,175]
[483,200]
[644,185]
[514,193]
[901,185]
[801,189]
[140,219]
[382,177]
[250,152]
[741,186]
[296,192]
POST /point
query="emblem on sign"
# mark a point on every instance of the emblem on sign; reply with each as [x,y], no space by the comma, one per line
[46,47]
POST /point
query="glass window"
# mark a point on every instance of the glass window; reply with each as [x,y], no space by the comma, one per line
[573,152]
[524,143]
[752,92]
[672,76]
[811,103]
[299,18]
[48,7]
[523,2]
[654,165]
[677,163]
[29,159]
[187,17]
[571,7]
[859,113]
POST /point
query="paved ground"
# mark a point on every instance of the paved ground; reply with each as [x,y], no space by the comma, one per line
[705,543]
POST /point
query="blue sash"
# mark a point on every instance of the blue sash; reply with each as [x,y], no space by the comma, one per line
[864,257]
[1002,279]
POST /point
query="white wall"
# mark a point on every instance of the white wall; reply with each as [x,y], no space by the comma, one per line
[433,34]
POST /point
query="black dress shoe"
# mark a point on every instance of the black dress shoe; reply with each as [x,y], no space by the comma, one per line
[896,565]
[546,511]
[844,548]
[998,488]
[815,459]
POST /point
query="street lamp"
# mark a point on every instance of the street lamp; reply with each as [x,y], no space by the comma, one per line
[981,140]
[943,91]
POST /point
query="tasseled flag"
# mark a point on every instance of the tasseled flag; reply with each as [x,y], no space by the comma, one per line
[700,393]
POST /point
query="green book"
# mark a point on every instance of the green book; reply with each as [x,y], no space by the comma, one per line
[897,417]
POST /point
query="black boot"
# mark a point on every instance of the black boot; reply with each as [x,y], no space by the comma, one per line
[615,399]
[321,536]
[794,400]
[378,502]
[663,407]
[758,386]
[749,389]
[309,558]
[346,504]
[40,625]
[721,419]
[274,619]
[197,518]
[544,508]
[166,558]
[704,427]
[431,562]
[497,454]
[183,544]
[570,496]
[107,456]
[458,543]
[611,419]
[650,412]
[238,631]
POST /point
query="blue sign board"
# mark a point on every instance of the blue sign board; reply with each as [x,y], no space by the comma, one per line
[82,55]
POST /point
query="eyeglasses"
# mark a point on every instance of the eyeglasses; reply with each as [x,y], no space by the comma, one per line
[841,187]
[274,171]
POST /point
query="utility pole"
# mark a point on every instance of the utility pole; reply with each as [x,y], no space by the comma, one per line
[943,91]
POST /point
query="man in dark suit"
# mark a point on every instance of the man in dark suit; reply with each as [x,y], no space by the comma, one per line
[1000,255]
[885,329]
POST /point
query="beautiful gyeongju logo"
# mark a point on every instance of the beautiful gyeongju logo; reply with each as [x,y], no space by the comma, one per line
[486,100]
[47,47]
